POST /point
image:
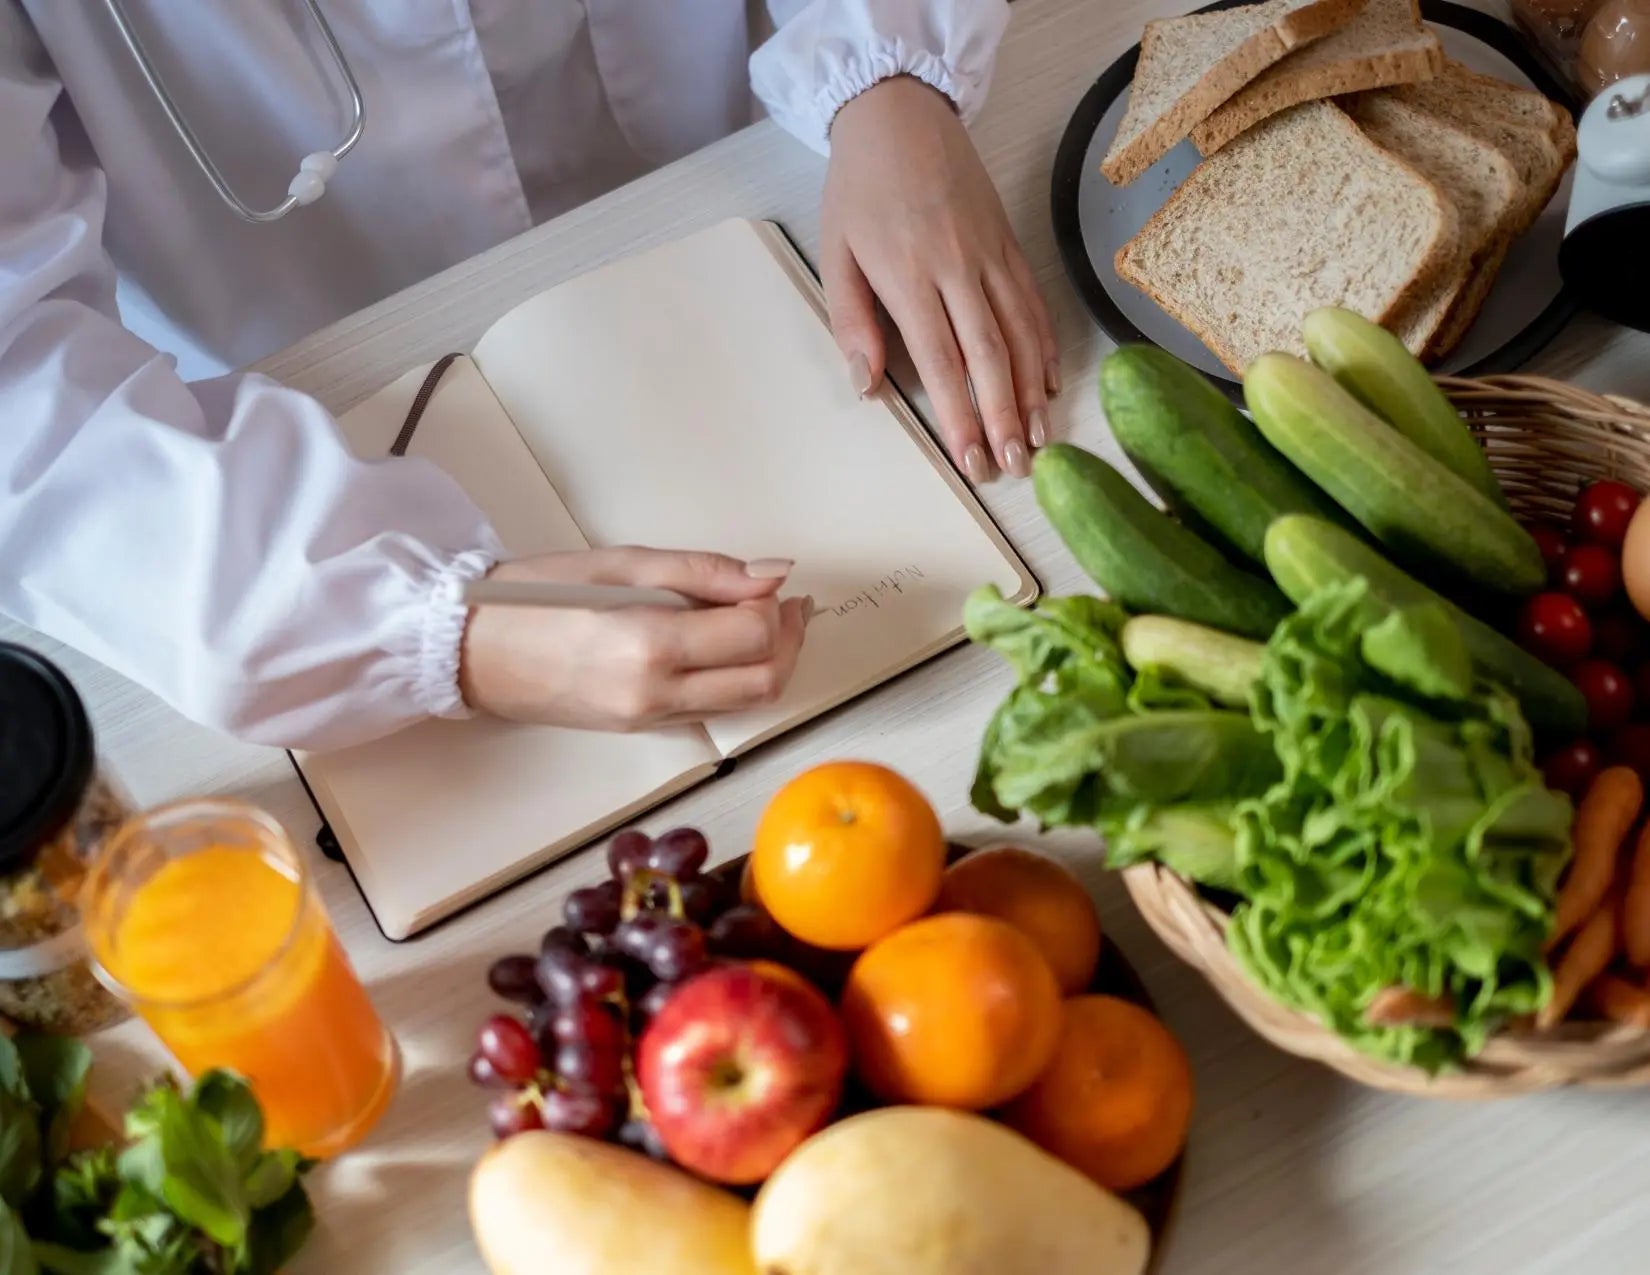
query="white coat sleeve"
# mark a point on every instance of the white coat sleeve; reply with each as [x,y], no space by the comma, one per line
[827,52]
[215,541]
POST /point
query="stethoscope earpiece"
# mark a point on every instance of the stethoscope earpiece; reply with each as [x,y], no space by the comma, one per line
[314,171]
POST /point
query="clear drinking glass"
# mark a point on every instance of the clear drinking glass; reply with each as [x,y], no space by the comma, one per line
[202,916]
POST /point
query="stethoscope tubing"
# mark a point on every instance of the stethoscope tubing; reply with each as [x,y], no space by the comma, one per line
[122,21]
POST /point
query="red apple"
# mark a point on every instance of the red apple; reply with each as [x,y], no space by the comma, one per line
[737,1068]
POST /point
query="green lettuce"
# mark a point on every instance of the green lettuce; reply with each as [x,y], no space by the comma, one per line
[1411,842]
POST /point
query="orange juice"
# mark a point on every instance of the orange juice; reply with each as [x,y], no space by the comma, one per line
[228,956]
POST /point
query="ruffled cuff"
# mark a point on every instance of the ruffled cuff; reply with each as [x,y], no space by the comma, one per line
[833,50]
[441,636]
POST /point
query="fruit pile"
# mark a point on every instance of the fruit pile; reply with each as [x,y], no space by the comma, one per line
[1585,625]
[718,1024]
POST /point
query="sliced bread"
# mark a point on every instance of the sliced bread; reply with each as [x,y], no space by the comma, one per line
[1476,177]
[1302,211]
[1385,44]
[1189,66]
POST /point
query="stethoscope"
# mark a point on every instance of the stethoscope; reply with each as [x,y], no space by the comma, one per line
[314,171]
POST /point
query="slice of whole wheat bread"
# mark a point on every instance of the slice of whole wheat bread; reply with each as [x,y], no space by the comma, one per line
[1476,177]
[1189,66]
[1302,211]
[1536,134]
[1385,44]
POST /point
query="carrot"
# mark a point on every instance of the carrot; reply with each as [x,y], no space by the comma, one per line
[1635,904]
[1620,1001]
[1587,956]
[1406,1007]
[1605,816]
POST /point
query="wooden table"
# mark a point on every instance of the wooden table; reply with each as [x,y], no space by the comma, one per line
[1290,1168]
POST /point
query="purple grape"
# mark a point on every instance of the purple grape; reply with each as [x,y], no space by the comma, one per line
[509,1048]
[512,978]
[561,937]
[594,909]
[634,938]
[678,853]
[559,974]
[677,950]
[703,898]
[594,1025]
[512,1113]
[602,979]
[744,931]
[579,1111]
[627,852]
[653,1000]
[641,1136]
[483,1073]
[584,1066]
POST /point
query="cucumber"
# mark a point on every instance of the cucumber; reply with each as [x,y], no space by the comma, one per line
[1210,465]
[1412,504]
[1305,554]
[1142,558]
[1375,368]
[1223,667]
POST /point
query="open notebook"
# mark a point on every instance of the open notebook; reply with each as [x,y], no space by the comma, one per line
[689,397]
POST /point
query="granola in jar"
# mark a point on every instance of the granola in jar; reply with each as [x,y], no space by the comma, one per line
[56,809]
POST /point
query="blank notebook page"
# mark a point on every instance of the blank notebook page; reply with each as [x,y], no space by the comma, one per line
[692,397]
[439,810]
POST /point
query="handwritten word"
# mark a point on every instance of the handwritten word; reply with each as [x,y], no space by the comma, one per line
[873,596]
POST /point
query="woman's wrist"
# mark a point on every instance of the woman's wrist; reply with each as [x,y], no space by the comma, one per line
[898,92]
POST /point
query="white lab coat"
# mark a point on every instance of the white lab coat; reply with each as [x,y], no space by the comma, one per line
[212,539]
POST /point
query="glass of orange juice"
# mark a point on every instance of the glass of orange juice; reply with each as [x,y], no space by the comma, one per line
[202,916]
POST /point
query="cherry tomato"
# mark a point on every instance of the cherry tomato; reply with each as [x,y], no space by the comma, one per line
[1620,635]
[1630,746]
[1603,511]
[1553,543]
[1571,768]
[1591,574]
[1555,628]
[1608,692]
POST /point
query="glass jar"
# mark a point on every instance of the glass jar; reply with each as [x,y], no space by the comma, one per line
[56,809]
[1555,28]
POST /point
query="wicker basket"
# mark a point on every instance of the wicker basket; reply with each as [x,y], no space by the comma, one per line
[1545,439]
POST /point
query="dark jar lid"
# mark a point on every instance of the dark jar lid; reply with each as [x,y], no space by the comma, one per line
[46,754]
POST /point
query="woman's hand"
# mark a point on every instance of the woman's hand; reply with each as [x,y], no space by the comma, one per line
[911,218]
[639,667]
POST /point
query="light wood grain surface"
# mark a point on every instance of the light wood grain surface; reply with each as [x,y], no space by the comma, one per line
[1290,1168]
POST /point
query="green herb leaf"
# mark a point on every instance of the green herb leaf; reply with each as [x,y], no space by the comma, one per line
[272,1177]
[278,1232]
[57,1259]
[56,1069]
[20,1166]
[16,1253]
[83,1189]
[11,1070]
[203,1182]
[228,1100]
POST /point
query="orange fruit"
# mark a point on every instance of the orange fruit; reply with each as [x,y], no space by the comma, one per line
[1038,897]
[1116,1101]
[951,1011]
[845,853]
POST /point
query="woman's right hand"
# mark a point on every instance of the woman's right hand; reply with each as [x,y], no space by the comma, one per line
[639,667]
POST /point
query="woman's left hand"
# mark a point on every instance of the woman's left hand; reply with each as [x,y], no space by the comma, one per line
[910,218]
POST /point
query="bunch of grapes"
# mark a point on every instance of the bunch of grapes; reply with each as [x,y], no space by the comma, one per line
[598,978]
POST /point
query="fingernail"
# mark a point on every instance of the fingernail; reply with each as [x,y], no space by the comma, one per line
[1051,377]
[975,464]
[1015,460]
[769,568]
[1037,427]
[807,608]
[859,374]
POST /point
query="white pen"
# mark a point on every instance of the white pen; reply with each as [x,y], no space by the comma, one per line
[577,597]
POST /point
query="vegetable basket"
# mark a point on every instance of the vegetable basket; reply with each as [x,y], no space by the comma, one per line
[1545,440]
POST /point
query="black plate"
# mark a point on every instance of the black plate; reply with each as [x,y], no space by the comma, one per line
[1092,218]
